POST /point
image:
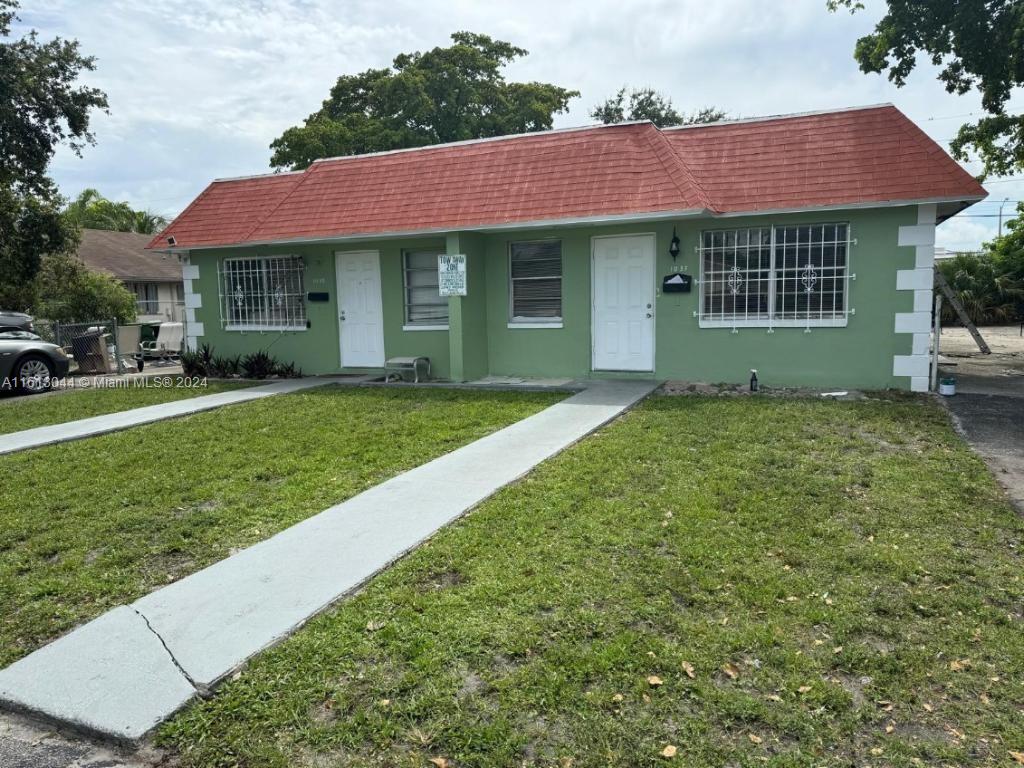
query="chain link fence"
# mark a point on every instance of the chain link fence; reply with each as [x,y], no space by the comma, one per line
[94,346]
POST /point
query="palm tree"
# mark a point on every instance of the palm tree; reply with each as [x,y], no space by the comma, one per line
[987,296]
[91,210]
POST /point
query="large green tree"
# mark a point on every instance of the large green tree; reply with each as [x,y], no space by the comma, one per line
[1008,253]
[648,104]
[42,105]
[441,95]
[977,44]
[70,292]
[91,210]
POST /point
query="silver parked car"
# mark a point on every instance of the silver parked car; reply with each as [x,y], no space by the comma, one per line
[15,321]
[28,364]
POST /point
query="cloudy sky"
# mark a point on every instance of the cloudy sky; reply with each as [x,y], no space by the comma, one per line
[199,88]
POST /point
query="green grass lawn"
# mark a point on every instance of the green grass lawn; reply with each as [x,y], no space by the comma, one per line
[749,582]
[89,525]
[21,412]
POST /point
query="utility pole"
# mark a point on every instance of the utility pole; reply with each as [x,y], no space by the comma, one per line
[1001,215]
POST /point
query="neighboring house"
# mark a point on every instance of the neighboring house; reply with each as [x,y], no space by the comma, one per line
[808,241]
[154,278]
[942,254]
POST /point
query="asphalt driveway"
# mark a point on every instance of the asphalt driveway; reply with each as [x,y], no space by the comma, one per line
[990,412]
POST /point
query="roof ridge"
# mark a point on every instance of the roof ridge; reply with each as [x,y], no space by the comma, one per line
[482,140]
[270,174]
[675,163]
[782,116]
[303,175]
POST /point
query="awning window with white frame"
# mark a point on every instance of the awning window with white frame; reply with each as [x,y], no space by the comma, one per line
[424,306]
[775,276]
[262,293]
[535,282]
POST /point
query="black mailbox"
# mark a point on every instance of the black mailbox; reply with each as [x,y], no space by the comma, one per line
[317,296]
[676,283]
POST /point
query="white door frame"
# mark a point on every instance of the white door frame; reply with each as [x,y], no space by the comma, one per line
[338,256]
[593,289]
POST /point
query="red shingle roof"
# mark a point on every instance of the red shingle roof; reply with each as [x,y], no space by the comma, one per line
[853,156]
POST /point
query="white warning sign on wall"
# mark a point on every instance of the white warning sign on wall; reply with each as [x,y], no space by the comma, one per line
[451,274]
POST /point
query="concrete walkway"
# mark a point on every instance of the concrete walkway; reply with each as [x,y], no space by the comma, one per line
[125,672]
[113,422]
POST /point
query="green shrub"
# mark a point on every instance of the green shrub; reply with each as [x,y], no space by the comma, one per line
[257,365]
[225,367]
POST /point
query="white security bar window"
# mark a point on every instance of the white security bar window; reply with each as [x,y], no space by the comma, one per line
[736,277]
[535,282]
[423,305]
[775,276]
[810,272]
[263,293]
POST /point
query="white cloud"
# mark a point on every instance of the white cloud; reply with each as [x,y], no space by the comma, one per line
[199,88]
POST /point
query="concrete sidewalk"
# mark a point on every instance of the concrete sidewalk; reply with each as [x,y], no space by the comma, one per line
[113,422]
[125,672]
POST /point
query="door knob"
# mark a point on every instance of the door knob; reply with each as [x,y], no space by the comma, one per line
[649,314]
[342,315]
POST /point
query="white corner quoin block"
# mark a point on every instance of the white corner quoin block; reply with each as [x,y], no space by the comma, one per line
[910,365]
[917,234]
[923,301]
[914,279]
[913,322]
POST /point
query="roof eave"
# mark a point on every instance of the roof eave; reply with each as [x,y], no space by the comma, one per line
[964,201]
[575,221]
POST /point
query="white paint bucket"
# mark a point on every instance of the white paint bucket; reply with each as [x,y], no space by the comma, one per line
[947,387]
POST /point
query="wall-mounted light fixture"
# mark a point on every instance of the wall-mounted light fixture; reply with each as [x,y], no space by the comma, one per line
[673,247]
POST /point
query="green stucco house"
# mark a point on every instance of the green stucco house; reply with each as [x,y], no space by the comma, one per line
[799,245]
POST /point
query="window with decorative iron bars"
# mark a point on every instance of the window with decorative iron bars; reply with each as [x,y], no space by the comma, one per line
[775,276]
[424,306]
[535,282]
[262,293]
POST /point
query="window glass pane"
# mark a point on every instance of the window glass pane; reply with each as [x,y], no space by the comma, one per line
[535,271]
[736,266]
[810,273]
[537,298]
[423,304]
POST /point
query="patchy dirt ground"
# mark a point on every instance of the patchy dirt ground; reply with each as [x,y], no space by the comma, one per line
[738,390]
[1006,343]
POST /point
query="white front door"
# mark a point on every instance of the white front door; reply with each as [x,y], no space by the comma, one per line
[623,303]
[360,316]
